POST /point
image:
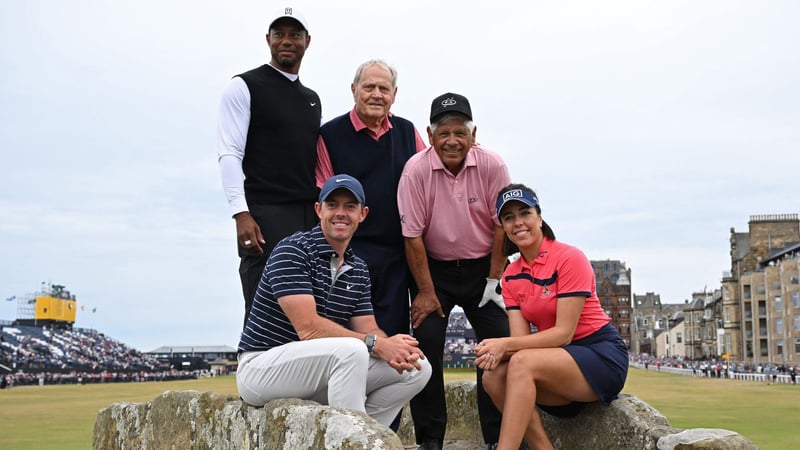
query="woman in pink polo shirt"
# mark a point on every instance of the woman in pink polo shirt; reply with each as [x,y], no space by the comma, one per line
[576,356]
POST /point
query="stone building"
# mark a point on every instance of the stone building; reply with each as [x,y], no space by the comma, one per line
[613,282]
[760,304]
[648,317]
[702,316]
[670,341]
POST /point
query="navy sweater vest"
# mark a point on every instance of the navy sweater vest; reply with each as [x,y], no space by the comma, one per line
[281,150]
[378,166]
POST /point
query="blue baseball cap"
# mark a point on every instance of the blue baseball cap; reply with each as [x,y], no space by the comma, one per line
[516,195]
[342,181]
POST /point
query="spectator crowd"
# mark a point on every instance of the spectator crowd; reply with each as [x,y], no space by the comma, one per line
[31,355]
[719,368]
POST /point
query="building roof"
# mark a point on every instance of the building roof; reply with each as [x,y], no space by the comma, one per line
[696,304]
[777,255]
[672,310]
[614,270]
[193,349]
[648,300]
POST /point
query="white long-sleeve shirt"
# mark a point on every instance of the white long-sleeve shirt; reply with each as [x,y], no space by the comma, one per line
[233,124]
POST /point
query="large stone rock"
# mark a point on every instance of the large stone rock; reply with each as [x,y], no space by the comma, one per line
[628,423]
[194,420]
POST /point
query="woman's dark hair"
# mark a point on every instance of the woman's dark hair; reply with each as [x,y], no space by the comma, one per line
[509,248]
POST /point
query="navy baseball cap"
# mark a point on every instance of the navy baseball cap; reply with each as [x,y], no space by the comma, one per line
[450,103]
[342,181]
[516,195]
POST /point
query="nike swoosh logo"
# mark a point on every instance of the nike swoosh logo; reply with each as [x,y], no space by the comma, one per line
[349,286]
[313,104]
[339,180]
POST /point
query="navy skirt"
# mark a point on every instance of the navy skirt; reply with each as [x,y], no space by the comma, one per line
[603,359]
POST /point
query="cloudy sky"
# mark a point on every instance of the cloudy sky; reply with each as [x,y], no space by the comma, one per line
[649,129]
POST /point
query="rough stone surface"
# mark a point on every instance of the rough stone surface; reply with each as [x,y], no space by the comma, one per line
[462,417]
[703,439]
[195,420]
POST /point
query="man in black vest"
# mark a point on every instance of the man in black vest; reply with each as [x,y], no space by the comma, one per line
[267,133]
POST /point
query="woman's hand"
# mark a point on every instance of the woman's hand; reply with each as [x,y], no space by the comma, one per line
[490,352]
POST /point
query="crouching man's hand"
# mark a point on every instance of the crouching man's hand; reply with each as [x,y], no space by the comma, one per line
[401,351]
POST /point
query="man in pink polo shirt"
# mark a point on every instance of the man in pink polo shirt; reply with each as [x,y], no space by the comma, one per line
[453,241]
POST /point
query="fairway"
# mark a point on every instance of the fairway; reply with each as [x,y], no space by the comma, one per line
[62,417]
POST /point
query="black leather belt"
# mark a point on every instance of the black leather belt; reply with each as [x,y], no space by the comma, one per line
[459,262]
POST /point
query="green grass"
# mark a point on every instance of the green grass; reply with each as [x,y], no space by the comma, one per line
[765,414]
[62,417]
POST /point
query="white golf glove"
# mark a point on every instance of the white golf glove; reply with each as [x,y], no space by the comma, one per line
[492,292]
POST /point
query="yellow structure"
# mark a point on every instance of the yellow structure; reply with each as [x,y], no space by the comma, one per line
[51,308]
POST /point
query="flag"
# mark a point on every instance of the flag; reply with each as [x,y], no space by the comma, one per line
[12,298]
[94,310]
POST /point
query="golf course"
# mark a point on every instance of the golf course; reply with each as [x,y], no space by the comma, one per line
[61,417]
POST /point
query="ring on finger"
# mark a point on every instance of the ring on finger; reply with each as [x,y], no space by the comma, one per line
[248,242]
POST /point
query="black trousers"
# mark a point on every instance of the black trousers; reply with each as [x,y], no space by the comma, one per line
[456,283]
[389,277]
[276,222]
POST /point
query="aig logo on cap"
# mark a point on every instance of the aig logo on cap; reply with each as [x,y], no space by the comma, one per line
[288,11]
[514,193]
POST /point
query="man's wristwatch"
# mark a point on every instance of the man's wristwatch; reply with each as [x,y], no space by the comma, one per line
[371,340]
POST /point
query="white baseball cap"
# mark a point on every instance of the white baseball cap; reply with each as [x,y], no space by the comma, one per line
[292,13]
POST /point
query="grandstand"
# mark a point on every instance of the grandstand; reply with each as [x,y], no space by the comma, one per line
[53,355]
[42,347]
[219,359]
[460,341]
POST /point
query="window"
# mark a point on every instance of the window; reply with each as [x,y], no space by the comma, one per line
[607,301]
[779,325]
[797,322]
[727,315]
[679,338]
[779,347]
[797,345]
[796,299]
[778,304]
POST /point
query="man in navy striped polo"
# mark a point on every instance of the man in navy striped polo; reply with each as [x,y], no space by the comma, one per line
[311,332]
